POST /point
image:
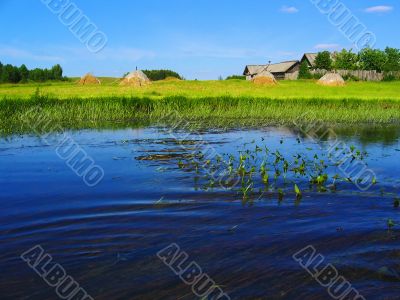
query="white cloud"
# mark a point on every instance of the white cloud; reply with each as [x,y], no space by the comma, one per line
[379,9]
[326,46]
[289,9]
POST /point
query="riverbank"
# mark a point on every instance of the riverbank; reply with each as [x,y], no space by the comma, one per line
[357,103]
[18,115]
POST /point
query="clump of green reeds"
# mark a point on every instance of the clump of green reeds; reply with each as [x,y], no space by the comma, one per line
[17,114]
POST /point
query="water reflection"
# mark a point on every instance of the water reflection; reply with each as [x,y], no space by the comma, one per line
[107,238]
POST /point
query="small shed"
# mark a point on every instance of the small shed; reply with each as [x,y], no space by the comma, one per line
[283,70]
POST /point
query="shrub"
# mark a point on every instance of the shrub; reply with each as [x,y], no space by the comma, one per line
[316,76]
[373,59]
[350,77]
[13,74]
[323,61]
[389,77]
[239,77]
[345,60]
[304,72]
[155,75]
[392,60]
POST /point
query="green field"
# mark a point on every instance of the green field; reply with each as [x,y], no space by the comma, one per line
[217,103]
[199,89]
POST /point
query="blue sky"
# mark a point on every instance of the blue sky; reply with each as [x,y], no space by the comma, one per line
[200,39]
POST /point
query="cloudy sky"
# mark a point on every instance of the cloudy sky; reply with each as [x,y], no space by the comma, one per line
[201,39]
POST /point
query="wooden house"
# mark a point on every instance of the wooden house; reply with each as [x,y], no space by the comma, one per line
[283,70]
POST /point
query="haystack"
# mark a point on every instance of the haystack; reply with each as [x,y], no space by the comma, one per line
[264,78]
[89,79]
[136,78]
[332,79]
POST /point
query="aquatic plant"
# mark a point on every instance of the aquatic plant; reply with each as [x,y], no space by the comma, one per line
[254,165]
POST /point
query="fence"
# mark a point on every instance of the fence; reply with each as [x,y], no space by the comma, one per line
[360,74]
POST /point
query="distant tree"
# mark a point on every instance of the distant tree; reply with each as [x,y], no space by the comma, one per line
[345,60]
[37,75]
[24,73]
[392,60]
[47,75]
[304,72]
[373,59]
[1,72]
[13,74]
[155,75]
[323,61]
[6,74]
[239,77]
[57,72]
[10,74]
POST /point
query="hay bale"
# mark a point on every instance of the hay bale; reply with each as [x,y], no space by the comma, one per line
[136,79]
[264,78]
[332,79]
[89,79]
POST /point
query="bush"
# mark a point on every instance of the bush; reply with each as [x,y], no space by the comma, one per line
[316,76]
[239,77]
[323,61]
[304,72]
[389,77]
[346,60]
[155,75]
[392,60]
[350,77]
[13,74]
[373,59]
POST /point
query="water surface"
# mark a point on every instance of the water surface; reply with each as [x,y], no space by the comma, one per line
[107,236]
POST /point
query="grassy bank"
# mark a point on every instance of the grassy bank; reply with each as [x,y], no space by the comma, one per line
[19,115]
[216,103]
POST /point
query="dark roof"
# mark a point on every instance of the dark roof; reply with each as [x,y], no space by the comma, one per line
[282,67]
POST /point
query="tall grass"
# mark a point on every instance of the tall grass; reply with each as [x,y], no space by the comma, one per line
[19,115]
[300,89]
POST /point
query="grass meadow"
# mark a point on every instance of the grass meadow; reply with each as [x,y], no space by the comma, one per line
[297,90]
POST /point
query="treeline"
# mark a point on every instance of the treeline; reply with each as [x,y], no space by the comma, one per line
[13,74]
[236,77]
[387,60]
[155,75]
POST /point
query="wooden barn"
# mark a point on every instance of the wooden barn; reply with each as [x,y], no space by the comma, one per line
[281,71]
